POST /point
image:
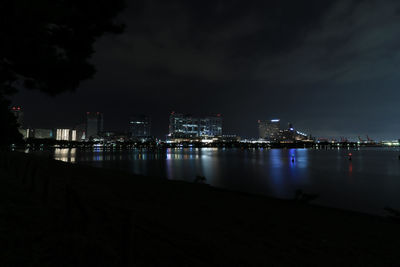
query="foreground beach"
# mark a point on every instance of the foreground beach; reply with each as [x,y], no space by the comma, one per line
[57,214]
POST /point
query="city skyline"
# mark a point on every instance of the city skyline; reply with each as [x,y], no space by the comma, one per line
[140,125]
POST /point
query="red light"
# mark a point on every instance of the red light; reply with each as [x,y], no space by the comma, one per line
[13,108]
[350,154]
[87,113]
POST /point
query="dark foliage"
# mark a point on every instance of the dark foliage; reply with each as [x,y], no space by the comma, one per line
[9,133]
[46,44]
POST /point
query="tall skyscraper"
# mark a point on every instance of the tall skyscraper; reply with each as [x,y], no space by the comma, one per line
[190,126]
[269,130]
[94,124]
[140,126]
[19,115]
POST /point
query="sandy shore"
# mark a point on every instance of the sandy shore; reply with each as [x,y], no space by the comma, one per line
[57,214]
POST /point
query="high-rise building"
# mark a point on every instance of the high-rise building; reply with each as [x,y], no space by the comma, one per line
[269,130]
[140,126]
[189,126]
[210,125]
[94,124]
[19,115]
[183,125]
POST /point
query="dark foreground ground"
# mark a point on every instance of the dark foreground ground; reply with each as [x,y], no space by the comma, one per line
[55,214]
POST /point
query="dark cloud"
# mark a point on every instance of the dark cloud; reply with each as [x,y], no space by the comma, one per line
[329,66]
[355,41]
[212,40]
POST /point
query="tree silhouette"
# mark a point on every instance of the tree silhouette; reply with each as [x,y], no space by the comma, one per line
[9,134]
[46,44]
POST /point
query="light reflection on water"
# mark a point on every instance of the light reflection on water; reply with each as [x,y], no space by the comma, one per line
[368,183]
[65,154]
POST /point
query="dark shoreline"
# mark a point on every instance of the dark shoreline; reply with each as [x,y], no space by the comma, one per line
[150,221]
[51,143]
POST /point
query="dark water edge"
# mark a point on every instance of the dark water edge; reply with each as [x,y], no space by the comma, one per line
[368,183]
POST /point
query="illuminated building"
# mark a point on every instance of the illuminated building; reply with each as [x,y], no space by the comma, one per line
[43,133]
[65,135]
[62,134]
[292,135]
[269,130]
[94,124]
[210,126]
[73,135]
[19,115]
[187,126]
[183,125]
[140,126]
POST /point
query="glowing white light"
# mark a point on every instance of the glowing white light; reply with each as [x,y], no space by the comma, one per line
[62,135]
[73,135]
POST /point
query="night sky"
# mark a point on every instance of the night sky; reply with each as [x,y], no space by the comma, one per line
[329,67]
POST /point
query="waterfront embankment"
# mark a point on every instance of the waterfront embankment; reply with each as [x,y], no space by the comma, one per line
[58,214]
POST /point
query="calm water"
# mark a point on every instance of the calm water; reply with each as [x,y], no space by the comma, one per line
[368,183]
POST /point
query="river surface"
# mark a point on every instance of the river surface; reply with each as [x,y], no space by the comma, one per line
[367,183]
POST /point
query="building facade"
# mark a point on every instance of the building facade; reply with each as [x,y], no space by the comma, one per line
[65,135]
[94,124]
[43,134]
[291,134]
[187,126]
[269,130]
[140,126]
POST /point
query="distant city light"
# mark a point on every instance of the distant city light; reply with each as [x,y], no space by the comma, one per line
[303,134]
